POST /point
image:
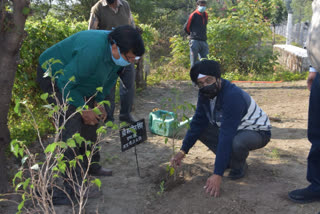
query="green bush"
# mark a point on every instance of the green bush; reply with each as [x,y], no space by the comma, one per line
[235,40]
[41,34]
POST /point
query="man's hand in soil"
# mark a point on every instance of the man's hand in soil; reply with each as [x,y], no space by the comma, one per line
[213,185]
[311,77]
[176,160]
[89,117]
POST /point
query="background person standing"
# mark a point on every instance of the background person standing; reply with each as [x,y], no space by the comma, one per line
[196,28]
[106,15]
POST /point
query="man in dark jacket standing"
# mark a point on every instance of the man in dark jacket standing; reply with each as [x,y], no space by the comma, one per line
[196,28]
[312,192]
[227,120]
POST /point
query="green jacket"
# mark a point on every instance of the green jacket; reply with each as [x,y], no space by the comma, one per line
[86,56]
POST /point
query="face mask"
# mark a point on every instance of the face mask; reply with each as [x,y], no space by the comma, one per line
[110,1]
[210,91]
[201,9]
[121,61]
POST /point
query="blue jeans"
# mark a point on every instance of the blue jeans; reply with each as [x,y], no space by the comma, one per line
[198,48]
[243,142]
[127,91]
[313,171]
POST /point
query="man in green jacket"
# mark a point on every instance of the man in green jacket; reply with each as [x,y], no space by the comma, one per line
[89,60]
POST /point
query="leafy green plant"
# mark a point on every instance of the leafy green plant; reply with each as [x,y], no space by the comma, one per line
[42,172]
[180,120]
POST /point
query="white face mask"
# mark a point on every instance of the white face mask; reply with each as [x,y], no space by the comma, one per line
[201,9]
[121,61]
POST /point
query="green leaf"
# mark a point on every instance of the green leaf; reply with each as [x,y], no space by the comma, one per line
[133,130]
[109,124]
[50,148]
[57,61]
[20,206]
[63,145]
[62,167]
[72,163]
[100,89]
[14,147]
[44,96]
[171,171]
[88,153]
[69,99]
[96,111]
[166,140]
[18,186]
[105,102]
[101,130]
[17,175]
[17,107]
[72,79]
[49,106]
[97,182]
[48,73]
[26,183]
[78,138]
[23,160]
[71,143]
[80,157]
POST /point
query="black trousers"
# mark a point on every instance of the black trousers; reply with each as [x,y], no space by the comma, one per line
[243,142]
[313,171]
[127,91]
[73,126]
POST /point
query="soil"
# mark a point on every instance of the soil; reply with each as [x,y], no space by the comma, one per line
[273,170]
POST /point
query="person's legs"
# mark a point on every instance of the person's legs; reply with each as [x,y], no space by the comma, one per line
[194,51]
[312,192]
[127,91]
[243,142]
[313,172]
[204,50]
[209,137]
[110,109]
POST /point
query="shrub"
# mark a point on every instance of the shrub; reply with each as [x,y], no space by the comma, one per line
[41,34]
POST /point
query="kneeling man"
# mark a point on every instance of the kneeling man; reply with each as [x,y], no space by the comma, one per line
[227,120]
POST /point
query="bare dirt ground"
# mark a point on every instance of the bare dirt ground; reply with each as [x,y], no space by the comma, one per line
[273,171]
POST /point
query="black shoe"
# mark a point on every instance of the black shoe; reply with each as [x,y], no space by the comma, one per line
[127,118]
[235,174]
[304,196]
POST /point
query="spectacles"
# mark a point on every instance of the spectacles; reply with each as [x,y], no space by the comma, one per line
[208,81]
[131,58]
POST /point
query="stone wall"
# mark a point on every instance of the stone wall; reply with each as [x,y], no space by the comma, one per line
[292,57]
[299,32]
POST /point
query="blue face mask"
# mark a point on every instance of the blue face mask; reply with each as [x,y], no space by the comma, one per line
[121,61]
[201,9]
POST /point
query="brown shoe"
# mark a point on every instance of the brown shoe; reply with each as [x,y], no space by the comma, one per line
[102,172]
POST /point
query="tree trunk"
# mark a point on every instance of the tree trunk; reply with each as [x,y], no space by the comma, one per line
[141,74]
[11,36]
[274,35]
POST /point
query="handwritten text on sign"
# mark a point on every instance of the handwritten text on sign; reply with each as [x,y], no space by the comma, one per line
[133,134]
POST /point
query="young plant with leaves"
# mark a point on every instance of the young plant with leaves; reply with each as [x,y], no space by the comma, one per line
[42,173]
